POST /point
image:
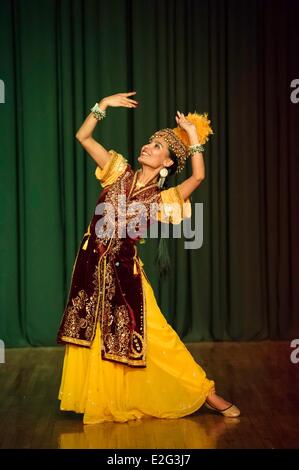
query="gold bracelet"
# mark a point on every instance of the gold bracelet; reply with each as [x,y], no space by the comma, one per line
[97,112]
[196,148]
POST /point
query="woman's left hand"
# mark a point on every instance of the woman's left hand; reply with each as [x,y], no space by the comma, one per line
[184,123]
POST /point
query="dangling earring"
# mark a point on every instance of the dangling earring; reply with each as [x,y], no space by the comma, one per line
[163,175]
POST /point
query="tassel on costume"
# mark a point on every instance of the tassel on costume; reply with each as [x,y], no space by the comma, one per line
[163,258]
[84,247]
[136,260]
[135,267]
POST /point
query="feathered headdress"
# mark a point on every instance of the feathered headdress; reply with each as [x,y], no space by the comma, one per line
[178,140]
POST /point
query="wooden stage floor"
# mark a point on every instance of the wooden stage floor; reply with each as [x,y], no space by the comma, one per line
[259,377]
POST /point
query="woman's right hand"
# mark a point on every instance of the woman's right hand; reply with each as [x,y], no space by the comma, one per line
[119,99]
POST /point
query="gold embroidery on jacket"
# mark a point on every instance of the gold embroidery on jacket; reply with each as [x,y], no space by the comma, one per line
[118,342]
[73,322]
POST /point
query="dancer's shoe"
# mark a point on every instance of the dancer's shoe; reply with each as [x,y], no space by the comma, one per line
[232,411]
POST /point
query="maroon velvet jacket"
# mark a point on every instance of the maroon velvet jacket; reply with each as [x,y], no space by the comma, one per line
[106,284]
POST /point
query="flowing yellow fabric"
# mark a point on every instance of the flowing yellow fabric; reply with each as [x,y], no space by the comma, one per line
[112,169]
[173,208]
[172,384]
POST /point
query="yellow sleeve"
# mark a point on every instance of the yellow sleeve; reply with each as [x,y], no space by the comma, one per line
[112,169]
[173,208]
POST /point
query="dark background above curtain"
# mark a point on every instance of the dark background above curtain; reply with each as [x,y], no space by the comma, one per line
[232,59]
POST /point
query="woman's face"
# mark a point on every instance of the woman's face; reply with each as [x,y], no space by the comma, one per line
[155,154]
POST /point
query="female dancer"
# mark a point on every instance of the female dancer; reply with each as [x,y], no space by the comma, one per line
[122,360]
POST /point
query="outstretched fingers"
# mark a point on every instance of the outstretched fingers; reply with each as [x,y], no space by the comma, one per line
[180,117]
[129,102]
[129,93]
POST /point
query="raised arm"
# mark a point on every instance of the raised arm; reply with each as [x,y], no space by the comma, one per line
[198,167]
[84,134]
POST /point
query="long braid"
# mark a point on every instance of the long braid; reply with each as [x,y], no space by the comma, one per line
[163,257]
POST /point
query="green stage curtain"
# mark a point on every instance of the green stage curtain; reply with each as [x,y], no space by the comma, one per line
[232,59]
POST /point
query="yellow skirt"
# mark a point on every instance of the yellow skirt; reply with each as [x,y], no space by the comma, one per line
[171,385]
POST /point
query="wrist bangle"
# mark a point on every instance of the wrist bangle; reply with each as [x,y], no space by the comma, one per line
[196,148]
[97,112]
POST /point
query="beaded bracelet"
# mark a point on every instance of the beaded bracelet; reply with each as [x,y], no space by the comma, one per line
[196,148]
[97,112]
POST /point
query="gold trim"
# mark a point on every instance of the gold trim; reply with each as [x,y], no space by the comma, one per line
[103,297]
[115,357]
[133,184]
[135,352]
[109,164]
[69,339]
[144,312]
[70,287]
[145,275]
[102,290]
[114,167]
[134,193]
[143,189]
[101,278]
[124,361]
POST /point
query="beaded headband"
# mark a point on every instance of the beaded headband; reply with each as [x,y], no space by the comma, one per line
[178,140]
[175,144]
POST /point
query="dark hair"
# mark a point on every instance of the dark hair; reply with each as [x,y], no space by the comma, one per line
[163,258]
[171,169]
